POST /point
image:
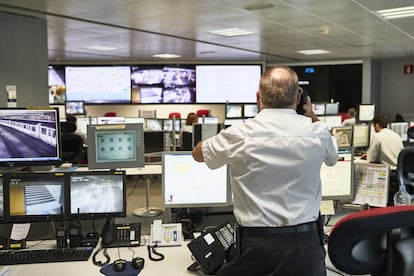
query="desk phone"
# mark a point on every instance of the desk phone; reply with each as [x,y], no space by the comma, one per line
[169,234]
[211,248]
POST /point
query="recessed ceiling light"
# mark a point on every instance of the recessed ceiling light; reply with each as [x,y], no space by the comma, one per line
[314,52]
[397,12]
[100,48]
[259,6]
[231,32]
[166,56]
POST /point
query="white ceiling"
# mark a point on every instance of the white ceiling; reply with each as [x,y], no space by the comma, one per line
[349,29]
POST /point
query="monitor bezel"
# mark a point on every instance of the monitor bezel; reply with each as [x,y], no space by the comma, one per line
[9,217]
[36,161]
[95,215]
[94,130]
[192,204]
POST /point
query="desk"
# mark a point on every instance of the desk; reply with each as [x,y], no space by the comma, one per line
[175,263]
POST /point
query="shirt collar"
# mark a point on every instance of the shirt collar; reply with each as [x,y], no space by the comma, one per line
[277,111]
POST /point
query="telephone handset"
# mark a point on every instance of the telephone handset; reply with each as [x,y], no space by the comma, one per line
[169,234]
[121,232]
[211,248]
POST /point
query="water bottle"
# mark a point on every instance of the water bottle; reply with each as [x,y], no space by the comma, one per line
[402,197]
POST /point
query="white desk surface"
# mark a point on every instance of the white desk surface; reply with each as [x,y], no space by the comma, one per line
[176,261]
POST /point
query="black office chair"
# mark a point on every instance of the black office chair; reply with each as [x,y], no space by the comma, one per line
[71,143]
[377,241]
[405,168]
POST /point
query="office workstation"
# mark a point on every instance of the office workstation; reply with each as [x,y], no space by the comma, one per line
[131,87]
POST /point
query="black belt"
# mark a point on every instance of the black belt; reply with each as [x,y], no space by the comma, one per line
[269,231]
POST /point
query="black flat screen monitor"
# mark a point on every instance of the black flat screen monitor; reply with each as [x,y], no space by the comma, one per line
[188,183]
[154,141]
[34,196]
[115,146]
[75,108]
[97,194]
[30,137]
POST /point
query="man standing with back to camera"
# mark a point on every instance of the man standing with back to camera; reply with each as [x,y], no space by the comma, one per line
[275,161]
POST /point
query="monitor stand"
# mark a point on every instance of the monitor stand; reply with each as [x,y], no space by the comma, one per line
[147,211]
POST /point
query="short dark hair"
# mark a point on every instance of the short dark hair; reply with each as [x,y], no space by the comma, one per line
[381,121]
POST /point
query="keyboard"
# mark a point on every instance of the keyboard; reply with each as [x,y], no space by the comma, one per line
[29,256]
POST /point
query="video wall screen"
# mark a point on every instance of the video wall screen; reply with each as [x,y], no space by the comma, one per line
[154,84]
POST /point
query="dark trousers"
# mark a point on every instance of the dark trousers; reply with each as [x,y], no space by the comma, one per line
[286,254]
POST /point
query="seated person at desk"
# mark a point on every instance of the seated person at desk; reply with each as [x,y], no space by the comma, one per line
[384,148]
[192,118]
[351,120]
[73,119]
[275,160]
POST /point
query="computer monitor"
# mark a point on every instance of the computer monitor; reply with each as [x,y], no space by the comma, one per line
[401,128]
[75,108]
[361,136]
[30,137]
[32,196]
[366,112]
[188,183]
[331,108]
[337,181]
[154,141]
[234,111]
[343,135]
[250,110]
[331,120]
[208,120]
[115,146]
[97,194]
[167,125]
[318,108]
[153,124]
[204,131]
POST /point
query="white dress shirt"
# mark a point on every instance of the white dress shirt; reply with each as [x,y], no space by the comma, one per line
[384,148]
[275,160]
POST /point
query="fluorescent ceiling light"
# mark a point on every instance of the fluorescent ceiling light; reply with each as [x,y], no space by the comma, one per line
[100,48]
[166,56]
[231,32]
[314,52]
[397,12]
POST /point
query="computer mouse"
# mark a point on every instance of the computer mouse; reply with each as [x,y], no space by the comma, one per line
[119,265]
[138,262]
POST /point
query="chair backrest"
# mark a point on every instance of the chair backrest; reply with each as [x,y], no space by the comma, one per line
[357,243]
[72,148]
[405,168]
[203,113]
[110,114]
[187,141]
[177,115]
